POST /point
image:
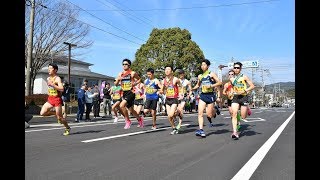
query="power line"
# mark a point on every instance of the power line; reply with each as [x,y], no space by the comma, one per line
[188,8]
[131,14]
[107,22]
[90,25]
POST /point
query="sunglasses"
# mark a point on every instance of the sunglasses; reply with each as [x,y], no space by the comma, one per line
[231,74]
[236,67]
[124,64]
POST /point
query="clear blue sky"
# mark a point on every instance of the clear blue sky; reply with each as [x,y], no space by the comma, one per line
[244,30]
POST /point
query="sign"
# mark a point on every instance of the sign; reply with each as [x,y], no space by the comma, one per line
[246,64]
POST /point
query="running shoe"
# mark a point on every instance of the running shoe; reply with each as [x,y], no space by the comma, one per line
[140,122]
[211,125]
[200,132]
[115,120]
[128,124]
[235,136]
[174,131]
[154,127]
[67,131]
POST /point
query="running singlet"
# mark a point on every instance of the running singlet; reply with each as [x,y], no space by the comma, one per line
[151,89]
[138,92]
[239,85]
[51,90]
[171,89]
[126,82]
[229,91]
[183,88]
[206,81]
[117,92]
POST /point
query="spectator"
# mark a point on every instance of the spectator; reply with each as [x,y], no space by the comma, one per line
[89,99]
[107,100]
[81,102]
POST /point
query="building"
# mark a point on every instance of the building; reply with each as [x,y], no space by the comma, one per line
[79,71]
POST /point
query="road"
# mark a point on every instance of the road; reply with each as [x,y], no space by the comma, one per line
[104,150]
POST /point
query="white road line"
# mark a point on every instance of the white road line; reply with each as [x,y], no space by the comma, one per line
[248,169]
[86,124]
[257,119]
[128,134]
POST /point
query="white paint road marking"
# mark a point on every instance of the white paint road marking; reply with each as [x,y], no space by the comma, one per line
[128,134]
[86,124]
[257,119]
[248,169]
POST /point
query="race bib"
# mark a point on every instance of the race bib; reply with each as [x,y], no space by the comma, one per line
[206,89]
[149,90]
[52,92]
[138,96]
[170,92]
[116,96]
[126,86]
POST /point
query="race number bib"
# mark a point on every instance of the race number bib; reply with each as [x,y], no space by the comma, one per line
[138,96]
[170,92]
[52,92]
[149,90]
[206,89]
[126,86]
[116,96]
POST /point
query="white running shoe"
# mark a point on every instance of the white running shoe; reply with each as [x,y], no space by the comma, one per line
[115,120]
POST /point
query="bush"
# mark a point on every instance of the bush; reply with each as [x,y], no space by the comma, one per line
[36,99]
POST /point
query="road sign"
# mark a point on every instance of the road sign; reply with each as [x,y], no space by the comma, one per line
[246,64]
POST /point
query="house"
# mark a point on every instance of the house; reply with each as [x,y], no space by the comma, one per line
[79,71]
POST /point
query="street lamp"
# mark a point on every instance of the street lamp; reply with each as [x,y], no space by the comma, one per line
[69,60]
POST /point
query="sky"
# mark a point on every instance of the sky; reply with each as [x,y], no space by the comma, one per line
[225,30]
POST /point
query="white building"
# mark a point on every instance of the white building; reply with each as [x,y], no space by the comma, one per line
[79,71]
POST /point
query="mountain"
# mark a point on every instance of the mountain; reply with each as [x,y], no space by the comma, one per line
[288,87]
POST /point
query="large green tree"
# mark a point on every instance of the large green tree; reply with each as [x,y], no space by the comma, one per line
[171,46]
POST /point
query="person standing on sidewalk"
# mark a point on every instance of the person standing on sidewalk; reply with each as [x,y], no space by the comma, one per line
[107,100]
[128,79]
[89,99]
[81,102]
[240,97]
[55,89]
[96,102]
[208,81]
[65,98]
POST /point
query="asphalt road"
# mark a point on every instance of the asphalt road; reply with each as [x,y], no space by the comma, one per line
[104,150]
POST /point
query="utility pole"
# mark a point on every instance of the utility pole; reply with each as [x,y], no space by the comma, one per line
[69,59]
[30,48]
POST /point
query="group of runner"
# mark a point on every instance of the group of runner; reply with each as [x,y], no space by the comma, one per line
[129,94]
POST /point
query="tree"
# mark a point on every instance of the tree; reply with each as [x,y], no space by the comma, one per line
[54,23]
[171,46]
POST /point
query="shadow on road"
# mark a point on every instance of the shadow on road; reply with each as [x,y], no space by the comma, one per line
[83,132]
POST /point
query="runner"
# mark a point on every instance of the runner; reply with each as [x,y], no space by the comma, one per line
[208,81]
[152,86]
[55,90]
[170,88]
[128,79]
[184,96]
[139,98]
[116,95]
[240,98]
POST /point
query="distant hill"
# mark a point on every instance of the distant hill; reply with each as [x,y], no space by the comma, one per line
[289,87]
